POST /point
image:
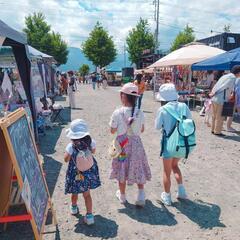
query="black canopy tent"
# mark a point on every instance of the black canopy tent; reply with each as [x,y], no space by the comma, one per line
[18,42]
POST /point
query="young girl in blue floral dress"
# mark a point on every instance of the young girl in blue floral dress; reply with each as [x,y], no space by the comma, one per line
[82,173]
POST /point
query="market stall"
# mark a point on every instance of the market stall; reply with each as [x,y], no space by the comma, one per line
[176,67]
[187,55]
[18,150]
[47,70]
[43,85]
[18,43]
[224,61]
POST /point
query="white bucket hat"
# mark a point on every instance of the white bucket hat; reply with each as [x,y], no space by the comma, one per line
[130,89]
[167,92]
[78,129]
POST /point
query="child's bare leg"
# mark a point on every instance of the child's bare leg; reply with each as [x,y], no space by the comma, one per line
[122,187]
[181,194]
[88,201]
[167,169]
[176,170]
[208,120]
[141,196]
[74,199]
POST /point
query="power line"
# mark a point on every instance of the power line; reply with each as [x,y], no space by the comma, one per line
[157,22]
[179,27]
[194,9]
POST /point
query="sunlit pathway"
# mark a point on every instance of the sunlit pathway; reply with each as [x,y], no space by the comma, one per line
[211,178]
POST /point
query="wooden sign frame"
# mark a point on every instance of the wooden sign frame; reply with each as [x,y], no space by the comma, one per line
[7,182]
[4,124]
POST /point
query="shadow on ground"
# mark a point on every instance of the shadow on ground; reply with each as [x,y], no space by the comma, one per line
[17,230]
[62,116]
[77,108]
[60,98]
[103,228]
[150,214]
[49,141]
[147,111]
[235,138]
[205,215]
[52,169]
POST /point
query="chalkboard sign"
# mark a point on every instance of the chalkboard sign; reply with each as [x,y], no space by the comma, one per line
[26,156]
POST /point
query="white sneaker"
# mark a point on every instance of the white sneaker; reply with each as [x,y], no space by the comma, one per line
[181,194]
[74,210]
[166,198]
[231,130]
[141,199]
[89,219]
[121,197]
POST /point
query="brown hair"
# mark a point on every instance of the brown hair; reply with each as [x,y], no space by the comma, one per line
[132,101]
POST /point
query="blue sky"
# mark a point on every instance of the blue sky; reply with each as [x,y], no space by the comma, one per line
[74,19]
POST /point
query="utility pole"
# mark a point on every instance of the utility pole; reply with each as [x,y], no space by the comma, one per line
[124,49]
[157,22]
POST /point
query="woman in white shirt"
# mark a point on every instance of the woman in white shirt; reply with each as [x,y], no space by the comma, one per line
[131,165]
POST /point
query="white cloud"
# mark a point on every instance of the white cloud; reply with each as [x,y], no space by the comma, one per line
[74,19]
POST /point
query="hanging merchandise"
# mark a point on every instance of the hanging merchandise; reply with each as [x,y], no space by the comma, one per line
[2,39]
[44,79]
[6,84]
[37,83]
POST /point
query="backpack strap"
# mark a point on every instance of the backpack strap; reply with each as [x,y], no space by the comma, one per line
[176,114]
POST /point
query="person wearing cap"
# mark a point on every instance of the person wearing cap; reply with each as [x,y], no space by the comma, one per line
[82,173]
[221,93]
[131,166]
[164,121]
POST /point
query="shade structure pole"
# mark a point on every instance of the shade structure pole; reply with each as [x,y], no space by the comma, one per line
[154,83]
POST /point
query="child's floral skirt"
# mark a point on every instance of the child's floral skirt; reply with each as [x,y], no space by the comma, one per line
[89,179]
[134,168]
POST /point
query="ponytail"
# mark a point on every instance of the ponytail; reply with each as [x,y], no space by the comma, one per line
[132,100]
[133,109]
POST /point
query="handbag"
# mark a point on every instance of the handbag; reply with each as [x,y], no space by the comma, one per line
[228,107]
[116,148]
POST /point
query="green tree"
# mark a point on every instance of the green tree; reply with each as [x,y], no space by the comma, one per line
[84,70]
[227,28]
[59,48]
[183,37]
[41,37]
[139,38]
[99,47]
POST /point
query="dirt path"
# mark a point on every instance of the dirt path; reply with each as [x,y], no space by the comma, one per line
[211,179]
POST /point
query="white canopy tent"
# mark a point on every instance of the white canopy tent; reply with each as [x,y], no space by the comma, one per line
[145,70]
[36,53]
[187,55]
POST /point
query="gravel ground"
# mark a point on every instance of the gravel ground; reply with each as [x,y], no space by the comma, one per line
[211,178]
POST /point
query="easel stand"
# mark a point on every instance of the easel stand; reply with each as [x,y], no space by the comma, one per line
[18,155]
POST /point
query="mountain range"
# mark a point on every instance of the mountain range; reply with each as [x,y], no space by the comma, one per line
[76,58]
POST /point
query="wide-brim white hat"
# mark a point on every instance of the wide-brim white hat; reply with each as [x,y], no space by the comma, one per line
[78,129]
[130,89]
[167,92]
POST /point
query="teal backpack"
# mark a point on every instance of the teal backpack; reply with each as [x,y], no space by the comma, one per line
[182,139]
